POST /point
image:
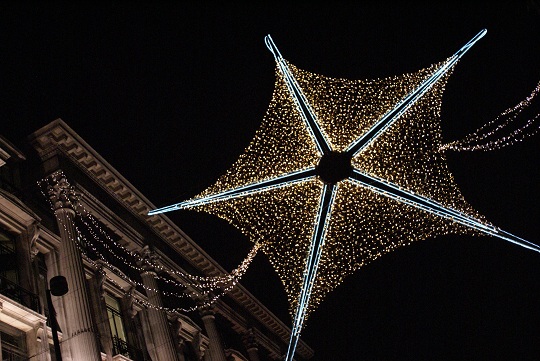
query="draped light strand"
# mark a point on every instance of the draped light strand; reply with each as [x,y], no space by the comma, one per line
[212,284]
[139,300]
[207,298]
[82,239]
[211,288]
[203,281]
[472,142]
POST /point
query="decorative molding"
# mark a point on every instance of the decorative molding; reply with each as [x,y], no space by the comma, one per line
[33,232]
[148,257]
[8,150]
[187,328]
[234,355]
[47,241]
[18,316]
[61,194]
[129,300]
[4,156]
[14,214]
[249,340]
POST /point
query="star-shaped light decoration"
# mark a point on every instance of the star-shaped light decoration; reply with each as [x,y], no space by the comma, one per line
[341,172]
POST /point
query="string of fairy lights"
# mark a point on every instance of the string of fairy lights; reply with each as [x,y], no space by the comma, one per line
[488,137]
[205,288]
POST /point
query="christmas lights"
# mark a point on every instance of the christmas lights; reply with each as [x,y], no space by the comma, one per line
[355,170]
[482,138]
[208,288]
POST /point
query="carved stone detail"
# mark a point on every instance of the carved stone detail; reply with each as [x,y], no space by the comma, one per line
[130,302]
[148,259]
[200,345]
[61,194]
[33,253]
[249,340]
[205,308]
[33,234]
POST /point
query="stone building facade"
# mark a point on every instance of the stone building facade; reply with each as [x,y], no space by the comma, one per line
[106,313]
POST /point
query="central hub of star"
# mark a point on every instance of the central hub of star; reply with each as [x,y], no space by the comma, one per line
[334,167]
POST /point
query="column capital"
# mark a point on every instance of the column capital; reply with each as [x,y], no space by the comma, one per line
[61,193]
[249,340]
[205,309]
[148,259]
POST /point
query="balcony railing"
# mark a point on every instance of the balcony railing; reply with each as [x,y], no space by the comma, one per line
[19,294]
[121,347]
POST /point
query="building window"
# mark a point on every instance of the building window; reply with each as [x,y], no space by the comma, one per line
[10,179]
[13,346]
[9,276]
[117,326]
[8,259]
[121,344]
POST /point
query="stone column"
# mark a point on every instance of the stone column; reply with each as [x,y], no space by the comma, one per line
[80,336]
[251,345]
[215,351]
[159,326]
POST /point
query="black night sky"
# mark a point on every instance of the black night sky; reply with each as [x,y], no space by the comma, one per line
[170,94]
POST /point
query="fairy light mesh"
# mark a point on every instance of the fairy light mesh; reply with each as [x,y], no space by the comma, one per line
[284,218]
[363,225]
[348,108]
[391,186]
[281,145]
[408,155]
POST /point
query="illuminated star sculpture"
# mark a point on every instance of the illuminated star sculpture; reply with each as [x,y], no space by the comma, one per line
[340,173]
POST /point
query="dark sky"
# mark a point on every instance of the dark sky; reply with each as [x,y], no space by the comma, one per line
[171,94]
